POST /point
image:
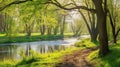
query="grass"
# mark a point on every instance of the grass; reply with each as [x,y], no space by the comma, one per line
[39,60]
[33,37]
[85,43]
[44,60]
[110,60]
[14,39]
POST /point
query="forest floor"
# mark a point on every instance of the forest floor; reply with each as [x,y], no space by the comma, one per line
[77,59]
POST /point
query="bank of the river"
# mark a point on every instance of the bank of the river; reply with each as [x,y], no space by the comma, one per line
[48,59]
[34,37]
[12,50]
[39,60]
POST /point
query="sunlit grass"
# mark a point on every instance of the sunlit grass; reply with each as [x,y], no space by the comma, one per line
[34,37]
[33,34]
[24,34]
[43,60]
[8,63]
[110,60]
[68,33]
[85,43]
[40,60]
[2,35]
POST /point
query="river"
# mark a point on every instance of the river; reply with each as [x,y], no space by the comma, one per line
[12,50]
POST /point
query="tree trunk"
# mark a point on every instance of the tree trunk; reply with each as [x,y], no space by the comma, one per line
[63,26]
[56,30]
[115,40]
[93,29]
[93,37]
[101,19]
[42,29]
[29,34]
[49,30]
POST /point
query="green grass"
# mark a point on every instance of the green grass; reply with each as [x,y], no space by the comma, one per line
[4,39]
[44,60]
[110,60]
[85,43]
[34,37]
[39,60]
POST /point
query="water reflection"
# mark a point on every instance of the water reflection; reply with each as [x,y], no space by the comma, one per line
[7,52]
[12,51]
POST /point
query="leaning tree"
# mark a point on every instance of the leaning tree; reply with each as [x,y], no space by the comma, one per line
[100,10]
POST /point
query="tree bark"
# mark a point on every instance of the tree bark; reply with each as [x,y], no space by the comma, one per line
[49,30]
[113,26]
[42,29]
[101,19]
[93,29]
[56,30]
[62,26]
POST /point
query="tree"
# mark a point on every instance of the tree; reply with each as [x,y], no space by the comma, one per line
[58,18]
[41,23]
[10,25]
[3,25]
[113,11]
[11,2]
[62,20]
[76,28]
[29,25]
[50,23]
[27,16]
[100,10]
[91,23]
[10,18]
[62,26]
[101,13]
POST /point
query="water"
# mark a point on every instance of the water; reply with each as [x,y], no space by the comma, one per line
[12,50]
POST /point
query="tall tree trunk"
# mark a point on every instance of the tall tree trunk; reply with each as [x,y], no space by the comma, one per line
[93,29]
[113,26]
[56,30]
[42,29]
[93,37]
[115,39]
[101,19]
[62,26]
[49,30]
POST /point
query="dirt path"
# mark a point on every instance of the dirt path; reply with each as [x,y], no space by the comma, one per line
[77,59]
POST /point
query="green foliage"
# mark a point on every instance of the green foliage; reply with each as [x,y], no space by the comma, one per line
[76,28]
[10,26]
[30,16]
[85,43]
[8,63]
[93,55]
[110,60]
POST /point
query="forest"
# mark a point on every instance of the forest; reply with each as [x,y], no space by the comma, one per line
[59,33]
